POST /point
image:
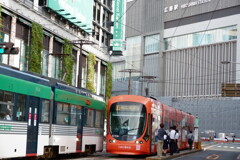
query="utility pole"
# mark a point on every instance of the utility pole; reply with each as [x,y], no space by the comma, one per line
[81,43]
[130,71]
[148,79]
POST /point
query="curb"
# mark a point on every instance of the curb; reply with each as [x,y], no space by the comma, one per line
[174,155]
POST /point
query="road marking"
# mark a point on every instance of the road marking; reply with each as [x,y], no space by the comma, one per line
[225,146]
[219,146]
[238,156]
[231,147]
[238,147]
[214,156]
[209,147]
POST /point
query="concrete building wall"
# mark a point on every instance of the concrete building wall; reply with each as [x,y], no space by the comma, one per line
[202,61]
[143,17]
[197,71]
[179,9]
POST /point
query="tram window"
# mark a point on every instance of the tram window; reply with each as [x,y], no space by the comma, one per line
[73,114]
[98,119]
[6,105]
[166,125]
[90,118]
[62,113]
[173,123]
[45,111]
[21,108]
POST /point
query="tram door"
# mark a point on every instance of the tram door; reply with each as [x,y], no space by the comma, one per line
[80,128]
[32,129]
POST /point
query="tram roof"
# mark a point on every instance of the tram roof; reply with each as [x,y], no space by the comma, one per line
[5,70]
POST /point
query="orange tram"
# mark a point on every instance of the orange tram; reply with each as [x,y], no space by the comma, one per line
[133,121]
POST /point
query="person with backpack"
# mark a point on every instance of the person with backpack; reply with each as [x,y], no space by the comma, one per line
[190,138]
[160,137]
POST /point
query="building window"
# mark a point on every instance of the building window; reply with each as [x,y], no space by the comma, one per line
[84,71]
[152,44]
[103,79]
[56,60]
[201,38]
[96,75]
[74,67]
[21,41]
[45,54]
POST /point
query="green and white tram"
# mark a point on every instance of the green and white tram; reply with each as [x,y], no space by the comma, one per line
[43,117]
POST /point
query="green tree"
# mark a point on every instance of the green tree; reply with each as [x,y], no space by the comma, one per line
[109,81]
[35,57]
[90,72]
[68,61]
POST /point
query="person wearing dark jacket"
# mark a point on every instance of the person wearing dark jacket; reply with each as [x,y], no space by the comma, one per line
[160,137]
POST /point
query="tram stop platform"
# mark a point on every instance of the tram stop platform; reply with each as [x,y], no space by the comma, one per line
[197,146]
[175,155]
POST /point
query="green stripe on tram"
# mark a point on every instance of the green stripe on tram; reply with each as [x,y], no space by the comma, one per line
[71,98]
[20,86]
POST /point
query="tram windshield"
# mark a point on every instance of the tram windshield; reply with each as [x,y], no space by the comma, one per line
[127,120]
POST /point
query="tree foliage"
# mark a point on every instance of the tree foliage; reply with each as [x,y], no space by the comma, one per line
[90,72]
[35,56]
[68,61]
[109,81]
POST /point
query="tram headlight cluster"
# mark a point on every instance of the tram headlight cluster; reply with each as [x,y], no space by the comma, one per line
[112,140]
[137,142]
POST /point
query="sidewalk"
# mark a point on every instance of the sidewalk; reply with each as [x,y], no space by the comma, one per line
[182,153]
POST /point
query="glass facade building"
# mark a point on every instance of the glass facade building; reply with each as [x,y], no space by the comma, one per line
[201,38]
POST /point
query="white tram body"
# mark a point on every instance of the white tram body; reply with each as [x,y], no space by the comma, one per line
[40,116]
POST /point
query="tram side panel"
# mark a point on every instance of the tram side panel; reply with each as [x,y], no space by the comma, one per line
[20,97]
[79,120]
[93,130]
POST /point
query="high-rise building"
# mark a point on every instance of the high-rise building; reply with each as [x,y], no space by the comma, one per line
[192,47]
[84,23]
[183,43]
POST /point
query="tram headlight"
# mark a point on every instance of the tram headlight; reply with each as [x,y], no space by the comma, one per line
[112,141]
[136,142]
[141,142]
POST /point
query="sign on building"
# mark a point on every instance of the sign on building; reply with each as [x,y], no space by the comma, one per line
[231,90]
[117,42]
[79,12]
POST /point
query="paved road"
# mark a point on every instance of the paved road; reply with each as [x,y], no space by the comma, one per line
[211,151]
[219,151]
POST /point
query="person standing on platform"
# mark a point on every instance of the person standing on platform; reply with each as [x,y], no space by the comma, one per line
[160,137]
[176,141]
[190,138]
[172,140]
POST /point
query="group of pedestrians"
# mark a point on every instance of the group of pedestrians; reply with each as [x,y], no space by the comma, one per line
[170,140]
[166,141]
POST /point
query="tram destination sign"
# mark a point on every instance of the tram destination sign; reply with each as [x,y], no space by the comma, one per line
[231,90]
[132,108]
